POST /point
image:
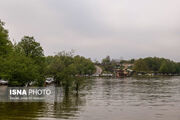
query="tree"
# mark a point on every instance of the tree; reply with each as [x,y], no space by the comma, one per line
[164,68]
[30,47]
[178,68]
[140,66]
[106,60]
[108,65]
[5,44]
[21,63]
[20,70]
[67,68]
[83,66]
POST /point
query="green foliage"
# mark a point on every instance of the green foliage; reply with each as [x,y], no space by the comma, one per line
[83,66]
[20,70]
[22,63]
[164,68]
[5,44]
[157,65]
[106,60]
[108,65]
[30,47]
[140,66]
[178,68]
[66,68]
[127,61]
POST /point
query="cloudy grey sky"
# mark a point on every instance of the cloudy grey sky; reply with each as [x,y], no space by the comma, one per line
[96,28]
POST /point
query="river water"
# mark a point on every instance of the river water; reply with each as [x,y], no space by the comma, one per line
[107,99]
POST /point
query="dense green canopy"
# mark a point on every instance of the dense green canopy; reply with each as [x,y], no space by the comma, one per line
[30,47]
[20,70]
[5,44]
[158,65]
[65,66]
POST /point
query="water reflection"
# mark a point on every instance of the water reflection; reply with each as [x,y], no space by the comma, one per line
[104,99]
[20,111]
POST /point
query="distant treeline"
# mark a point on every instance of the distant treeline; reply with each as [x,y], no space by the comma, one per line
[157,65]
[24,62]
[144,65]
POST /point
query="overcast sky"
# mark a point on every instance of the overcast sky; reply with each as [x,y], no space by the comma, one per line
[96,28]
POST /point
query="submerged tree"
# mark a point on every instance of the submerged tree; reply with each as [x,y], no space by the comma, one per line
[67,69]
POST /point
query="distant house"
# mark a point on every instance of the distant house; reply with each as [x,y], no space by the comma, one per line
[127,65]
[124,70]
[119,73]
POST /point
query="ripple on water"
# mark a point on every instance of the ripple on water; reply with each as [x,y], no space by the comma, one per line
[104,99]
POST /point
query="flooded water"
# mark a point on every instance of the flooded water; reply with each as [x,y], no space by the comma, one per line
[107,99]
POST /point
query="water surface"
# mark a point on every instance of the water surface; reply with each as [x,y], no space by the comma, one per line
[107,99]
